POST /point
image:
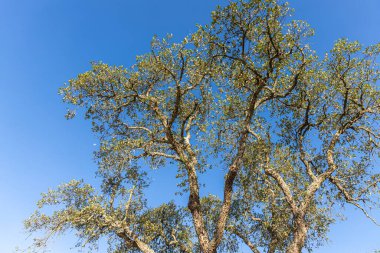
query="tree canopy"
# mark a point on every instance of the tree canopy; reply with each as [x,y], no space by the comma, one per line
[296,135]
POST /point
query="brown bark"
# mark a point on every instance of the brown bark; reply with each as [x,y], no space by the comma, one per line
[272,247]
[194,204]
[300,234]
[129,238]
[144,247]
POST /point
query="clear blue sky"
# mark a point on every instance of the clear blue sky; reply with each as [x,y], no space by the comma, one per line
[44,43]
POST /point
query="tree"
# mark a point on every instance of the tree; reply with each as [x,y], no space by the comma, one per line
[295,134]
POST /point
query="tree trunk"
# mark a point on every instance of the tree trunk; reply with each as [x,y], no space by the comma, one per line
[300,233]
[144,247]
[129,237]
[272,246]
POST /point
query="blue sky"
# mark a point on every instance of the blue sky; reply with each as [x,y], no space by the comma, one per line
[44,43]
